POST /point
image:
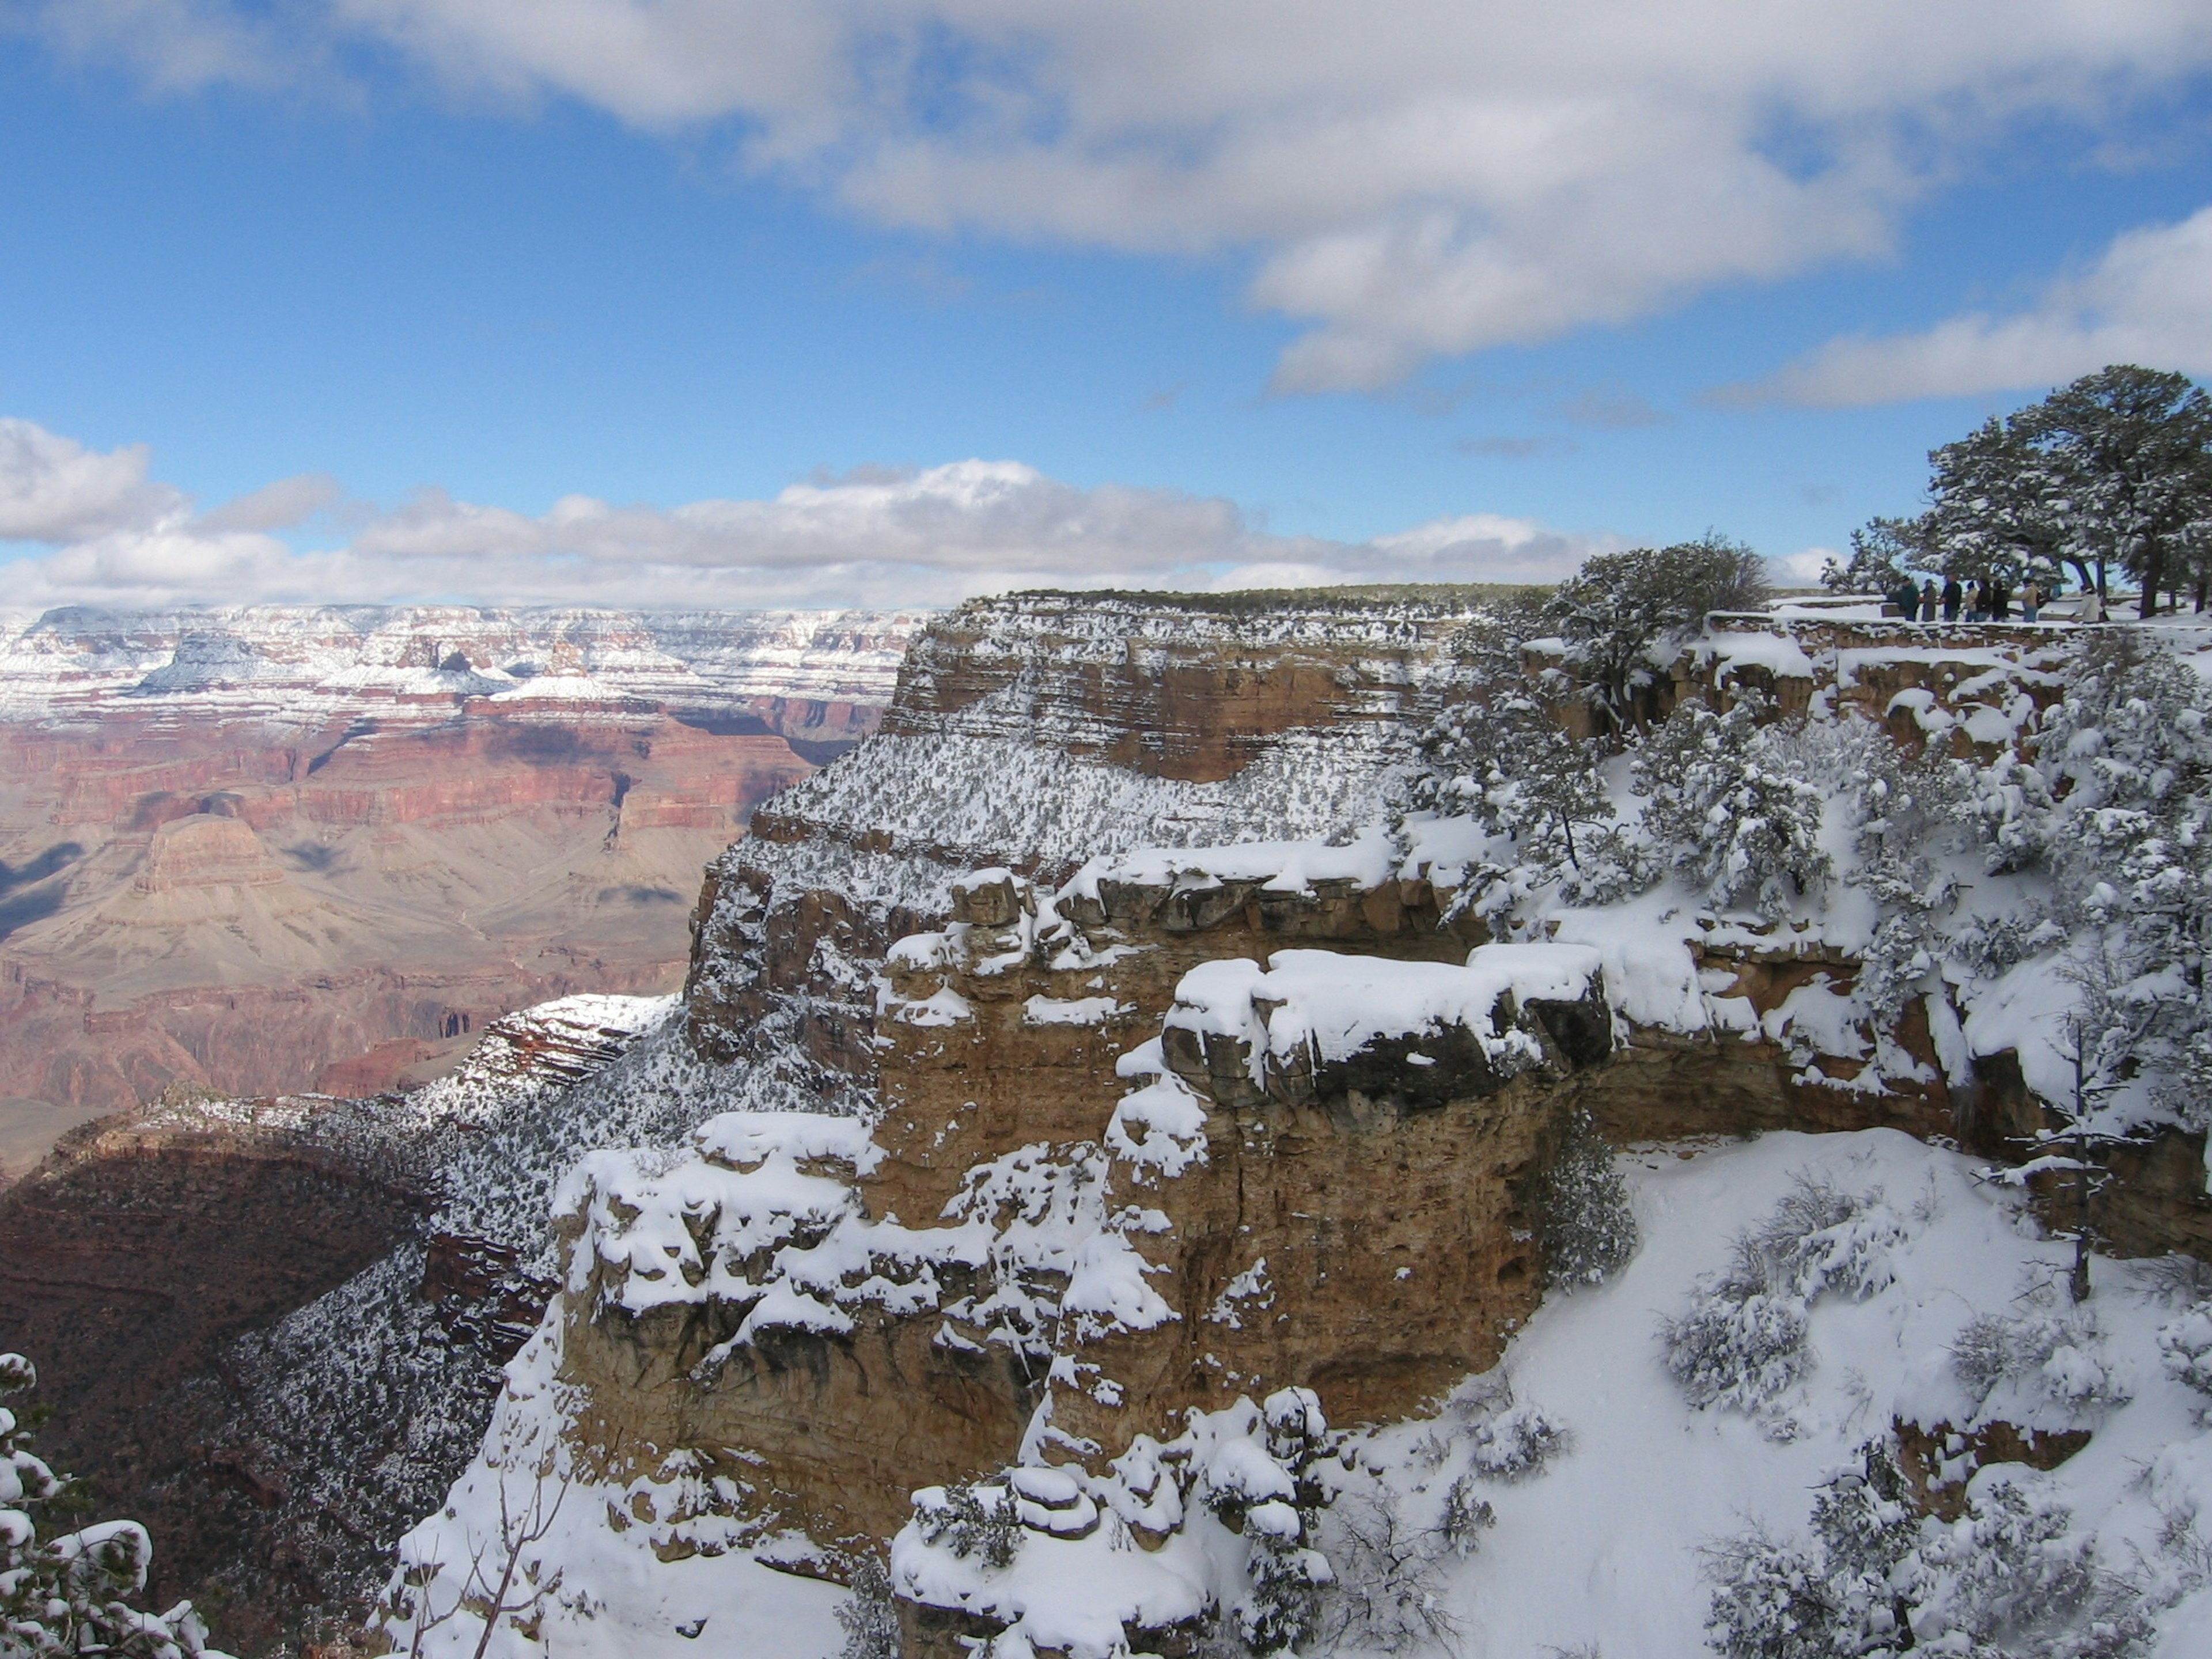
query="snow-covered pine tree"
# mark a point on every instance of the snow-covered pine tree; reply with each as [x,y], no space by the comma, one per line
[70,1592]
[1726,810]
[1911,809]
[1507,763]
[1621,617]
[1588,1229]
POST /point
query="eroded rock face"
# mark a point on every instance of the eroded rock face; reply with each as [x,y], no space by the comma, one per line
[1039,732]
[1086,1211]
[241,849]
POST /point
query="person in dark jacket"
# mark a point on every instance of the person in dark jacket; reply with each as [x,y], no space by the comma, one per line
[1953,594]
[1906,600]
[1997,598]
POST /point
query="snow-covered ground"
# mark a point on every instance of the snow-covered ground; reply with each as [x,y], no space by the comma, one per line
[1601,1548]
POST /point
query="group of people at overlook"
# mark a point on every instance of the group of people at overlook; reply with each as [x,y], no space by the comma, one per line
[1974,600]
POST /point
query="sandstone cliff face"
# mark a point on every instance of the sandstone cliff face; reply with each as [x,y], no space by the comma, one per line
[1038,732]
[1093,1201]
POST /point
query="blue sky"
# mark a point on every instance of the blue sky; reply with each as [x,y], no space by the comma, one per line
[1339,308]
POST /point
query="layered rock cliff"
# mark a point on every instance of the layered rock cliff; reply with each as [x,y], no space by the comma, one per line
[241,848]
[1086,1094]
[1161,1076]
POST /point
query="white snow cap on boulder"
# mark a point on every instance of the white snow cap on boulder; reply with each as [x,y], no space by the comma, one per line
[745,1140]
[1333,1006]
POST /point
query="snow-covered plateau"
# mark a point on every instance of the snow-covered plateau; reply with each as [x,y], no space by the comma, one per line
[64,663]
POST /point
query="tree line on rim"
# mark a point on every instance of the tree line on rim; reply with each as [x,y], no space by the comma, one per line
[2113,471]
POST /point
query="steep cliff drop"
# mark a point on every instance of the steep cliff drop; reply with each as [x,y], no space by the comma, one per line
[1187,1129]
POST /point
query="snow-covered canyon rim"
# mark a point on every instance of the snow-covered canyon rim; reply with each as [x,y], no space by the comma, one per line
[53,661]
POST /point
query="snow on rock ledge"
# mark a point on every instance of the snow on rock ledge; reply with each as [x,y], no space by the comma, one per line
[1316,1023]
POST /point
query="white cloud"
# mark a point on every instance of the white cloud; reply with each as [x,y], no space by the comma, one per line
[2148,300]
[870,537]
[1803,569]
[1425,177]
[278,505]
[54,490]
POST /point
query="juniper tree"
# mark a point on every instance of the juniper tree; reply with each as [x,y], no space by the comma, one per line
[1621,614]
[1726,810]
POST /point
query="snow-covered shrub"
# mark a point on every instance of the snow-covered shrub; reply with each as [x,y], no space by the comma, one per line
[2012,1578]
[1467,1516]
[869,1617]
[2050,1357]
[1587,1228]
[1728,811]
[1742,1343]
[1516,1443]
[70,1593]
[2185,1348]
[977,1518]
[2009,1580]
[1386,1591]
[1769,1600]
[1909,810]
[1507,763]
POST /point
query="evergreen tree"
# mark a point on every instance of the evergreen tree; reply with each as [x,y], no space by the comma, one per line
[2131,451]
[1998,507]
[1622,614]
[70,1592]
[1728,811]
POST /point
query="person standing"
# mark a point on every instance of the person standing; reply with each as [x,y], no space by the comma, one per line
[1904,599]
[1928,600]
[1974,600]
[1952,596]
[1996,599]
[2031,598]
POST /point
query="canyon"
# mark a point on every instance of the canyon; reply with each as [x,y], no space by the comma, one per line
[1082,1095]
[271,849]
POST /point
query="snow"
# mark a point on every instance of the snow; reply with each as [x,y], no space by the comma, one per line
[1368,859]
[1041,1010]
[1333,1006]
[650,1588]
[745,1140]
[1778,653]
[1596,1542]
[309,661]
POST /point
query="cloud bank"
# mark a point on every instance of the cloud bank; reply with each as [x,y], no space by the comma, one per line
[111,536]
[1410,180]
[2148,300]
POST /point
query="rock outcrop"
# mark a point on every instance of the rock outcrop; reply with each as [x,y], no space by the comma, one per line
[1158,1132]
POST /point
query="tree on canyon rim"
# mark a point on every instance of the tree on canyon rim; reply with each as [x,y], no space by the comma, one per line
[1621,617]
[2115,469]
